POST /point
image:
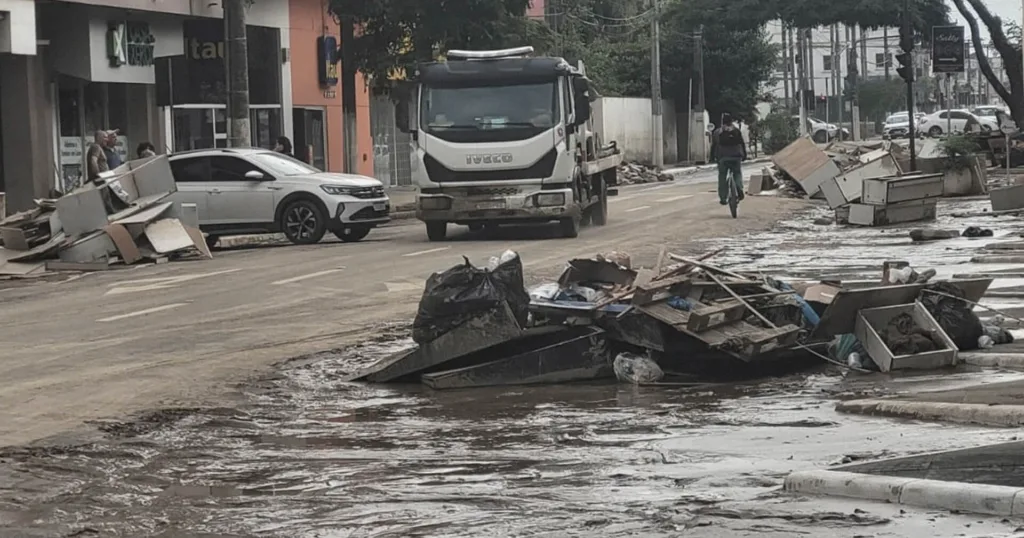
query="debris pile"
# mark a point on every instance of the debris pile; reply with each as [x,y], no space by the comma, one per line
[121,218]
[634,173]
[604,318]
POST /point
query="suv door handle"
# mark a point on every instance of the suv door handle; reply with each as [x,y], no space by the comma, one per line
[273,188]
[213,191]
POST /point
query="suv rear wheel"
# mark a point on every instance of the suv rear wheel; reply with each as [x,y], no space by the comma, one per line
[437,231]
[303,222]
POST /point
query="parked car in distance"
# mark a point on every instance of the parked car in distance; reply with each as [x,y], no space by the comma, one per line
[822,131]
[937,123]
[896,126]
[247,191]
[989,111]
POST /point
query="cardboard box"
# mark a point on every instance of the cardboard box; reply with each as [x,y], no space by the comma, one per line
[871,324]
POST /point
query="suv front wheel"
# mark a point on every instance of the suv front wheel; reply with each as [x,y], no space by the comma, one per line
[303,222]
[351,235]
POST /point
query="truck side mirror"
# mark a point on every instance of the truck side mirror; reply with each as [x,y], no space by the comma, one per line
[402,95]
[581,93]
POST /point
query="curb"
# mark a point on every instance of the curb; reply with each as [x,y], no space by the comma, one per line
[994,360]
[1006,416]
[271,239]
[958,496]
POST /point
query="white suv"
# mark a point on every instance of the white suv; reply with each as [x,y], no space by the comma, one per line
[245,191]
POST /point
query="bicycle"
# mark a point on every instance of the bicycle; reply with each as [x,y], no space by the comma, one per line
[734,197]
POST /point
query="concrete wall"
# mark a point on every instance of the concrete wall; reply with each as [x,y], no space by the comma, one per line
[18,28]
[27,110]
[627,121]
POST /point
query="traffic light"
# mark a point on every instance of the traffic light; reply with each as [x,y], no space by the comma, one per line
[906,68]
[906,37]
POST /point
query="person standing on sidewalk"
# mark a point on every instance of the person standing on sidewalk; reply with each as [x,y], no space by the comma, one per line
[729,149]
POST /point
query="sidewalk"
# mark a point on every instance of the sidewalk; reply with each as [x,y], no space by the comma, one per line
[995,404]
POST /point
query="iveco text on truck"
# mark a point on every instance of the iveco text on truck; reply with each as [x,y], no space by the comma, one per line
[501,137]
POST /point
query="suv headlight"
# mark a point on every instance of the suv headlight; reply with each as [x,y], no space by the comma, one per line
[336,190]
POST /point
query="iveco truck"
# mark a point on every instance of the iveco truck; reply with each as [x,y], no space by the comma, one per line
[503,137]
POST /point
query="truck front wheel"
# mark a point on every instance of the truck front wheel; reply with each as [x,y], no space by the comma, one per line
[570,227]
[437,231]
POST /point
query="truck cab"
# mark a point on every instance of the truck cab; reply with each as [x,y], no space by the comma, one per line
[501,137]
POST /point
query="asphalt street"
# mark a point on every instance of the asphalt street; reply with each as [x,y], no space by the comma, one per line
[80,348]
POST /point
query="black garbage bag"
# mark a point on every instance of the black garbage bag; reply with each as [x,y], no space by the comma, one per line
[955,316]
[464,292]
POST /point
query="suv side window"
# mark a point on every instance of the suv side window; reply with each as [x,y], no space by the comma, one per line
[191,170]
[225,169]
[960,116]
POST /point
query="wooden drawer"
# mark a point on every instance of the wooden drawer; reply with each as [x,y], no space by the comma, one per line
[880,215]
[891,190]
[871,324]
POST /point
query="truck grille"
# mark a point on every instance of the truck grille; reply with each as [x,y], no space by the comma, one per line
[439,173]
[492,191]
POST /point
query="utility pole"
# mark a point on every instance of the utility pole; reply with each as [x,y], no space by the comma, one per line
[833,57]
[698,60]
[239,135]
[787,63]
[811,79]
[838,66]
[802,75]
[907,71]
[792,63]
[657,122]
[885,51]
[852,80]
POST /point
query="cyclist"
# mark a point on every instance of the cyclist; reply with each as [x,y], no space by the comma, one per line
[729,149]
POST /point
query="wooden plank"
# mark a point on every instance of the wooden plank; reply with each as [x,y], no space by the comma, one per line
[707,317]
[666,314]
[649,293]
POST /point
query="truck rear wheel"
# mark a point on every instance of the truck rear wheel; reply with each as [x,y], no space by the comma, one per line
[599,211]
[437,231]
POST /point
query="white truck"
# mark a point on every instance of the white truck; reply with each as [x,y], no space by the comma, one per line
[503,137]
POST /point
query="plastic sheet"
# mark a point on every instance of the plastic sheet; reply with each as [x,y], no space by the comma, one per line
[636,369]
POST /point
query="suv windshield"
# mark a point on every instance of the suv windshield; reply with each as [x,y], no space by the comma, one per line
[280,165]
[490,113]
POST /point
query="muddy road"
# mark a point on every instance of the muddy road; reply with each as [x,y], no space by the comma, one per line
[307,454]
[304,453]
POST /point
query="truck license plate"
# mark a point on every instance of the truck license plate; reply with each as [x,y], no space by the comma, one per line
[498,204]
[380,206]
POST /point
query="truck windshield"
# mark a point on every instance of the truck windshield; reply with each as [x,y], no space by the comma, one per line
[490,113]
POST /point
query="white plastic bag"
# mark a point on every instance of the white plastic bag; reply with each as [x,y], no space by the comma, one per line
[545,292]
[505,257]
[636,369]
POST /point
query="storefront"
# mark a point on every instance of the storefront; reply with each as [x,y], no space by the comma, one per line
[192,87]
[104,78]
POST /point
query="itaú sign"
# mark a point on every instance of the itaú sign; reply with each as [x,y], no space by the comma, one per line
[130,43]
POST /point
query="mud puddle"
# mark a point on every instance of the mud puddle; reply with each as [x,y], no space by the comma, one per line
[311,455]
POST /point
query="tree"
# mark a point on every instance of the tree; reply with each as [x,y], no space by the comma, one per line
[879,97]
[1007,44]
[394,35]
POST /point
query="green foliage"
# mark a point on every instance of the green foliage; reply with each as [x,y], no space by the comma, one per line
[777,131]
[879,97]
[957,151]
[393,35]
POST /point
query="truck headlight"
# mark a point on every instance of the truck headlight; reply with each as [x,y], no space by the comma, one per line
[549,199]
[436,202]
[335,190]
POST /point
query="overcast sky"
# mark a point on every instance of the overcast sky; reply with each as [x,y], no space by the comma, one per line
[1005,9]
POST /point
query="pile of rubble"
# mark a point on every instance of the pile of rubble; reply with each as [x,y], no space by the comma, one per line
[121,218]
[603,319]
[634,173]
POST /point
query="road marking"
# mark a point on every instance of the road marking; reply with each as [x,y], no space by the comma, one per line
[142,312]
[305,277]
[641,192]
[676,198]
[151,284]
[422,252]
[641,208]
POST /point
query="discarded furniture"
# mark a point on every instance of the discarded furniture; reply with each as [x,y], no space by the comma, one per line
[872,322]
[573,354]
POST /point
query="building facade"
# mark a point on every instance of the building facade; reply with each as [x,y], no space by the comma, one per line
[155,70]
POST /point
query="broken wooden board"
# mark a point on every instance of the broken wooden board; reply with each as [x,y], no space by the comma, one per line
[488,330]
[578,354]
[702,317]
[841,316]
[740,339]
[808,165]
